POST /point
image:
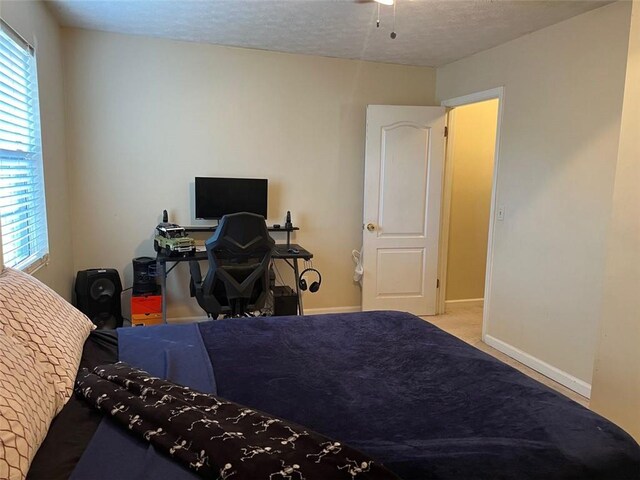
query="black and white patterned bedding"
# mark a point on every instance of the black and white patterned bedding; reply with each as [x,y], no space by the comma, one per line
[217,438]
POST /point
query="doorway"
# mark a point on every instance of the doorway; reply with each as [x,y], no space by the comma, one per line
[468,207]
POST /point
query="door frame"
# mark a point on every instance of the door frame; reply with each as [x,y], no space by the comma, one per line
[493,93]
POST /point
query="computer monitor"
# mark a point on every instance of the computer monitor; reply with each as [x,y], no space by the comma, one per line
[217,197]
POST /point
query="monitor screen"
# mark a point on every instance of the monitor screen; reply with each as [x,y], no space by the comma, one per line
[216,197]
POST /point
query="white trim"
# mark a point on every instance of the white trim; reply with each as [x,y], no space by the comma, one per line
[446,212]
[320,311]
[490,94]
[187,319]
[468,301]
[308,311]
[579,386]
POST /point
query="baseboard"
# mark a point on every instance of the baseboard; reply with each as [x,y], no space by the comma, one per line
[579,386]
[320,311]
[307,311]
[176,320]
[467,301]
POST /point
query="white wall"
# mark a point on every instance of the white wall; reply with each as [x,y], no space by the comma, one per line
[563,95]
[148,115]
[38,26]
[616,379]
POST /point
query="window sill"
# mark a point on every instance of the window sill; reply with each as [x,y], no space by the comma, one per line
[34,265]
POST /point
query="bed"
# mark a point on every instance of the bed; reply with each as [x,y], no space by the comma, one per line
[408,394]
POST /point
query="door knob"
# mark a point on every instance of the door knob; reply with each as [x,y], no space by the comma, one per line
[371,227]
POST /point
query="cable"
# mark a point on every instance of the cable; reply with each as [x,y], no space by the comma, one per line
[393,31]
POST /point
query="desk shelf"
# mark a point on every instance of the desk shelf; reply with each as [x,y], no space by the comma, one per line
[212,228]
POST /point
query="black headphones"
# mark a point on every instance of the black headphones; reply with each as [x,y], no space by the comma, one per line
[315,286]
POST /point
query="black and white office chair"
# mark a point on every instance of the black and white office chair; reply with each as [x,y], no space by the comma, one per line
[239,255]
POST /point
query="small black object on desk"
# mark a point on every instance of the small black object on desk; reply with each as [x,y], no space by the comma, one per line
[288,226]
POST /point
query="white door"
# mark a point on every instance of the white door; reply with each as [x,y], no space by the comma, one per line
[404,163]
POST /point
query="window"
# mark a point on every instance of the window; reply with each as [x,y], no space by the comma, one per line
[23,218]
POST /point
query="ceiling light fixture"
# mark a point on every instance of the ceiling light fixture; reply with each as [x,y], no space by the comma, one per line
[389,3]
[393,31]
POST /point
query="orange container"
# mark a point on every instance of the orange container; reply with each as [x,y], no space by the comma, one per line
[144,320]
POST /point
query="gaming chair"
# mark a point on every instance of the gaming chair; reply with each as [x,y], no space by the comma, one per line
[239,255]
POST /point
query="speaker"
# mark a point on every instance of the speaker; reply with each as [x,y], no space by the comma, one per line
[144,276]
[98,296]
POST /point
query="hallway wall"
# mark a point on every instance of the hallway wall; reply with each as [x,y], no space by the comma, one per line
[472,148]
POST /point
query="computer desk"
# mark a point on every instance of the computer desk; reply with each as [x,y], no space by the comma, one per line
[280,252]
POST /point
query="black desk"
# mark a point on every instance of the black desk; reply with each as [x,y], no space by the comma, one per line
[280,252]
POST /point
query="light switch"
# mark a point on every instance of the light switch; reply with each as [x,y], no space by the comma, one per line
[500,214]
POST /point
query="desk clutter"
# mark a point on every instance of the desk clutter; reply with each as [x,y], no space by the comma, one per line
[239,280]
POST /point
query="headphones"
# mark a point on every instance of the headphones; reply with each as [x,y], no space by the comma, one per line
[315,286]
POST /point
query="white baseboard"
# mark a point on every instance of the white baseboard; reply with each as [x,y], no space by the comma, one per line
[467,301]
[176,320]
[579,386]
[320,311]
[307,311]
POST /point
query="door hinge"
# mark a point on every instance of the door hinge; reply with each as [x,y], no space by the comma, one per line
[446,131]
[438,283]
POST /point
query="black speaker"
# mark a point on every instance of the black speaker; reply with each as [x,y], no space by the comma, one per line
[144,276]
[98,296]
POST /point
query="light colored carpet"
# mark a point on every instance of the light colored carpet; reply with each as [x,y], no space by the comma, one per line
[465,322]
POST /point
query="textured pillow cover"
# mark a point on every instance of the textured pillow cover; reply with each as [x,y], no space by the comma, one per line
[28,403]
[46,324]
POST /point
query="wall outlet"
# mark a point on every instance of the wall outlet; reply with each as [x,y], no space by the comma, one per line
[500,213]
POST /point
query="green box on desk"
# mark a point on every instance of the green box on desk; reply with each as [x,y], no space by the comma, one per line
[285,301]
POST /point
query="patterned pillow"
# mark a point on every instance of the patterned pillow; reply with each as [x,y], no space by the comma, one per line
[28,403]
[46,324]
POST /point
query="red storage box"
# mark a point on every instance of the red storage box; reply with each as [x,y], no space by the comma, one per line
[146,304]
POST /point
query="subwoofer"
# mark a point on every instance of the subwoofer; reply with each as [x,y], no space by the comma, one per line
[98,296]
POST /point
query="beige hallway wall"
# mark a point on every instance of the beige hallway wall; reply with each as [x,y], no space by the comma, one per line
[563,89]
[472,148]
[616,378]
[149,115]
[38,26]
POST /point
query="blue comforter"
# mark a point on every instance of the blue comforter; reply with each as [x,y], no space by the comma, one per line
[416,398]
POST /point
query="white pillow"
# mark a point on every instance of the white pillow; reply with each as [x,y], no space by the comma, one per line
[51,328]
[28,403]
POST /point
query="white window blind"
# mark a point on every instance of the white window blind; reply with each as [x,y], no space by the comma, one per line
[23,218]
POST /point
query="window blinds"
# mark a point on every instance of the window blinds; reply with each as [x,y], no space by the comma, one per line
[23,222]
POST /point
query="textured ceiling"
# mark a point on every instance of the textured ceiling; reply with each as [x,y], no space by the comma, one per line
[430,32]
